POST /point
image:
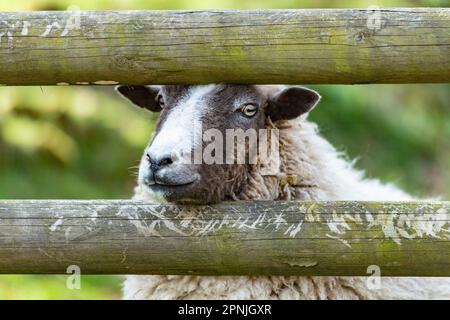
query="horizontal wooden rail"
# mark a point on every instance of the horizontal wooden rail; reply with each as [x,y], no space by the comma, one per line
[278,238]
[265,46]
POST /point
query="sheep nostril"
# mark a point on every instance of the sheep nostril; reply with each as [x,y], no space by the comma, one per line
[165,161]
[157,163]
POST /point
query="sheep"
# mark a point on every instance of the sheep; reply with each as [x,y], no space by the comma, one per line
[321,174]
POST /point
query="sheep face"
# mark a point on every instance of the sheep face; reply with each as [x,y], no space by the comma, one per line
[203,147]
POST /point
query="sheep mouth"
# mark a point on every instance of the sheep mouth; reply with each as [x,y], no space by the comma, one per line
[172,181]
[178,193]
[172,185]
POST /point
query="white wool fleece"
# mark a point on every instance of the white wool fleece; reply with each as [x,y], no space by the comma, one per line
[303,152]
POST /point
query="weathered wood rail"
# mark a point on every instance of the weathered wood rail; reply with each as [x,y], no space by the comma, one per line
[277,238]
[267,46]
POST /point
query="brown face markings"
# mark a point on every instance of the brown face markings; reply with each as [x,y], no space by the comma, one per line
[189,111]
[217,107]
[172,95]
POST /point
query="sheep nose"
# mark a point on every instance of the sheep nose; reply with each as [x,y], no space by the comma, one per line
[157,163]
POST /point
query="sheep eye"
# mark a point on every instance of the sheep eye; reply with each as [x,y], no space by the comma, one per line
[160,101]
[249,110]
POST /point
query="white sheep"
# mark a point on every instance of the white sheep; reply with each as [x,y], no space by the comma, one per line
[322,172]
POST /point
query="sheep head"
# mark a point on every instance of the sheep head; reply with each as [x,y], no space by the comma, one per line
[205,140]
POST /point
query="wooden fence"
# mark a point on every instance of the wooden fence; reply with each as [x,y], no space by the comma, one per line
[276,238]
[275,46]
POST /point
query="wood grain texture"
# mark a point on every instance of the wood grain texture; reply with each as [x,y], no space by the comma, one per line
[343,46]
[276,238]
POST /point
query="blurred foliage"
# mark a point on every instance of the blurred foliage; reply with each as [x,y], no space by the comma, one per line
[82,140]
[54,287]
[211,4]
[399,133]
[60,142]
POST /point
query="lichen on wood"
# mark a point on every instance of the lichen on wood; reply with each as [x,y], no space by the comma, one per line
[248,238]
[262,46]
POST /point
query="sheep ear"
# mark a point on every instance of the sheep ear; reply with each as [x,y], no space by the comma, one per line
[142,96]
[291,103]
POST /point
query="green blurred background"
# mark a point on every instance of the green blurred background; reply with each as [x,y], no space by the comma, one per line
[84,142]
